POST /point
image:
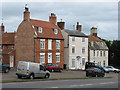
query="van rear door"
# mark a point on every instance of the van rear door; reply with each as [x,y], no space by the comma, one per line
[22,67]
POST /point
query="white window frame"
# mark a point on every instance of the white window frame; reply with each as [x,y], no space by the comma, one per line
[49,44]
[101,53]
[83,50]
[83,39]
[57,44]
[55,31]
[50,58]
[73,62]
[42,62]
[92,43]
[73,50]
[42,43]
[39,29]
[57,57]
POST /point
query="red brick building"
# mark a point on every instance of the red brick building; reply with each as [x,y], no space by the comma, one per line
[7,51]
[39,41]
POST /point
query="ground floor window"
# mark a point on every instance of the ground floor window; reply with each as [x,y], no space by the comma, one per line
[104,63]
[73,62]
[57,57]
[83,61]
[42,58]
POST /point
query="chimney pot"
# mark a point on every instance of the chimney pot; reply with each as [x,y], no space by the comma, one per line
[53,18]
[78,27]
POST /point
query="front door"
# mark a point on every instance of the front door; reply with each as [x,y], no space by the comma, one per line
[11,61]
[49,57]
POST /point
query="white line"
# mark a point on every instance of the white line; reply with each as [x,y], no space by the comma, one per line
[107,83]
[53,87]
[81,85]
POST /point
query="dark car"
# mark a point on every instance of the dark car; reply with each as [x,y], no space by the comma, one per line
[95,72]
[4,67]
[53,67]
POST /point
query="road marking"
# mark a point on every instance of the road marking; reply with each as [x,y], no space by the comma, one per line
[53,87]
[81,85]
[107,83]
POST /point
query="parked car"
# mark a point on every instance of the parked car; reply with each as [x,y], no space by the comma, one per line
[53,67]
[112,69]
[4,67]
[105,69]
[92,64]
[31,70]
[94,72]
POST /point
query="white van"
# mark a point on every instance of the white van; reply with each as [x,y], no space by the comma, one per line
[31,70]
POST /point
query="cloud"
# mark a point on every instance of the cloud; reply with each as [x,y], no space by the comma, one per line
[102,14]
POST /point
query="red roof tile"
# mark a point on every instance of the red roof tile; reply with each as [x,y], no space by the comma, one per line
[7,38]
[93,38]
[47,29]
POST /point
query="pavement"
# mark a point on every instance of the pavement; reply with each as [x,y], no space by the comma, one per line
[75,83]
[65,74]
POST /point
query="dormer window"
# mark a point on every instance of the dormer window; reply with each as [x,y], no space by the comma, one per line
[55,31]
[39,29]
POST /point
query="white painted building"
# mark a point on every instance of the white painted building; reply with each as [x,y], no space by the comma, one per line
[98,50]
[75,49]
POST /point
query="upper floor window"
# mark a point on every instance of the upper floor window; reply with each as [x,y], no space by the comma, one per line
[73,38]
[42,43]
[55,31]
[49,44]
[57,44]
[83,39]
[12,47]
[73,49]
[39,29]
[101,43]
[93,52]
[97,53]
[100,53]
[83,49]
[104,53]
[1,47]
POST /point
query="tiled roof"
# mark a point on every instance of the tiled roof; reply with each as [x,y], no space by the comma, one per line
[93,38]
[75,33]
[47,29]
[7,38]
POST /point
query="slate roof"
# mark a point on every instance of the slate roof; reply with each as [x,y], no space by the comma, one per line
[93,38]
[76,33]
[47,29]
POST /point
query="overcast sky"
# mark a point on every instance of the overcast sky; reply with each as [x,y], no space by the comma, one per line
[103,15]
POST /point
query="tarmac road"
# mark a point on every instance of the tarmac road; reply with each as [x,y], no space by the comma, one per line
[76,83]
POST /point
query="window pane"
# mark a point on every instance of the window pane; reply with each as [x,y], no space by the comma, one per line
[83,61]
[83,49]
[73,49]
[73,62]
[57,44]
[73,38]
[83,39]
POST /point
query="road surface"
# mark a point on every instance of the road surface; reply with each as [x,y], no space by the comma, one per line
[76,83]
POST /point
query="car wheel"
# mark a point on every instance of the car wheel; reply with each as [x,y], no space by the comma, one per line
[6,70]
[19,76]
[47,76]
[115,71]
[52,70]
[31,76]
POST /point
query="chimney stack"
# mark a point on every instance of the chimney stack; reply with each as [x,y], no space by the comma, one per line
[2,28]
[26,13]
[61,24]
[53,18]
[94,31]
[78,27]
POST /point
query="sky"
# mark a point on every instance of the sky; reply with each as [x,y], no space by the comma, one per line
[103,15]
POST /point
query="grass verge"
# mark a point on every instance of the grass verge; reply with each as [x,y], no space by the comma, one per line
[29,80]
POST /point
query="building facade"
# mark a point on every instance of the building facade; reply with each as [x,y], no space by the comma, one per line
[39,41]
[75,47]
[7,50]
[98,50]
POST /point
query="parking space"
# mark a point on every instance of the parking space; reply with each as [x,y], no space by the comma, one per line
[65,74]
